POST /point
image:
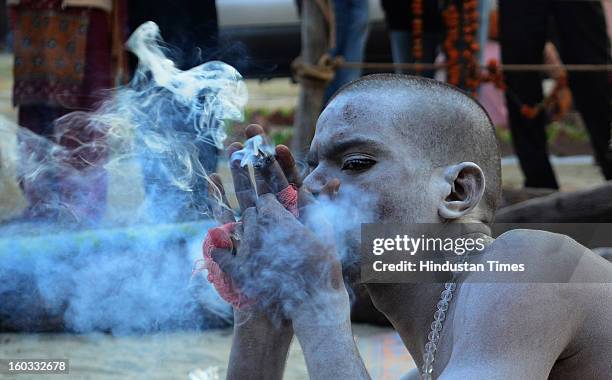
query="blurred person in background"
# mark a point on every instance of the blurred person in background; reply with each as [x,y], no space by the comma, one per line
[189,28]
[62,52]
[4,31]
[399,18]
[485,7]
[582,39]
[190,31]
[351,34]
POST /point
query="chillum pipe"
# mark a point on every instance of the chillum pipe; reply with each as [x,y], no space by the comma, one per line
[268,172]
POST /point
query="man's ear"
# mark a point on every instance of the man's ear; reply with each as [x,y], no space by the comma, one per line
[465,185]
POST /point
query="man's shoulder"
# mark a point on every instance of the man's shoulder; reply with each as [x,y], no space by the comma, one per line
[565,287]
[541,252]
[541,242]
[548,258]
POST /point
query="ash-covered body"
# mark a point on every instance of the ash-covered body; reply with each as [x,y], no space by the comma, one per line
[411,150]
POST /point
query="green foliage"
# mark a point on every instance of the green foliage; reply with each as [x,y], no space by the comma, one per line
[281,136]
[560,129]
[504,135]
[570,130]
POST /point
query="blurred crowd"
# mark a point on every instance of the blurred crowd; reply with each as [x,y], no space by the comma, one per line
[577,30]
[67,52]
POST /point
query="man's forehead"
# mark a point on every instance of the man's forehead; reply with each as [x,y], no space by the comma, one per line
[362,115]
[345,113]
[333,132]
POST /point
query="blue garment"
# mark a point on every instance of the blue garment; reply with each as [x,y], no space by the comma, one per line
[484,7]
[401,50]
[351,36]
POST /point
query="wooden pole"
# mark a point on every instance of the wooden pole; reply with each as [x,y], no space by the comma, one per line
[310,102]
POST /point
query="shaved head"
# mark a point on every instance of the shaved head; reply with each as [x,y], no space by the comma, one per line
[438,121]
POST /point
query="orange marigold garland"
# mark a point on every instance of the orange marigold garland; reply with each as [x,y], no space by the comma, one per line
[417,31]
[463,69]
[472,48]
[494,75]
[530,112]
[451,20]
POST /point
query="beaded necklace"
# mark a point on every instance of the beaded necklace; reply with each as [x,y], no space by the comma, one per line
[433,338]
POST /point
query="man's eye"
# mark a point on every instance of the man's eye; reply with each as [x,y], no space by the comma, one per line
[357,164]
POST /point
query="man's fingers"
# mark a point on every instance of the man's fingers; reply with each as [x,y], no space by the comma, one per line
[287,163]
[226,261]
[261,183]
[269,203]
[254,130]
[249,216]
[251,232]
[218,200]
[305,199]
[269,176]
[243,187]
[270,212]
[268,170]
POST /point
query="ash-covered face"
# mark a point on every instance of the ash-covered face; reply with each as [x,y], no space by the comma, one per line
[359,140]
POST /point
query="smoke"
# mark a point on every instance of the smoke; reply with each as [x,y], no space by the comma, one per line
[127,271]
[342,217]
[252,150]
[287,269]
[280,277]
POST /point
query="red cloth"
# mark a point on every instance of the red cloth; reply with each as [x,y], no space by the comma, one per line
[288,197]
[220,237]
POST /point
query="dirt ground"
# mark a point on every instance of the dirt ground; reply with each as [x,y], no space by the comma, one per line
[182,355]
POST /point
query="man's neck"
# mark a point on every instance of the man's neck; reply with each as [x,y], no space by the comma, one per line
[410,306]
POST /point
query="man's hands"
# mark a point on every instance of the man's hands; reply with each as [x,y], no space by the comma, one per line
[276,261]
[259,347]
[280,264]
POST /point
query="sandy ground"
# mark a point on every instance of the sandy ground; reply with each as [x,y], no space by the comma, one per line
[176,355]
[181,354]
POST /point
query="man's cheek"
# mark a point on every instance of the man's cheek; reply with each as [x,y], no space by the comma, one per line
[387,199]
[386,208]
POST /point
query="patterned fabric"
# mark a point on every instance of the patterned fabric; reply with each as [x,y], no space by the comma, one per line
[50,54]
[288,197]
[36,4]
[106,5]
[62,62]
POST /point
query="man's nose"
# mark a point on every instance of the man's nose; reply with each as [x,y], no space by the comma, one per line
[314,182]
